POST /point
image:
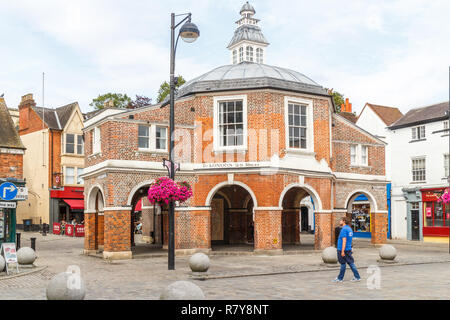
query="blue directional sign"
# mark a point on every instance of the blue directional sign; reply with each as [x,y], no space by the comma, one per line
[8,191]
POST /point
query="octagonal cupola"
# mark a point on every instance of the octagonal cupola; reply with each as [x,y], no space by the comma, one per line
[248,43]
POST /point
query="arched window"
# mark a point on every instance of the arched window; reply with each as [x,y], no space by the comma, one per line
[249,53]
[259,55]
[234,56]
[241,54]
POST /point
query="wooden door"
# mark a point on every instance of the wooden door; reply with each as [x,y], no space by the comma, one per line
[217,227]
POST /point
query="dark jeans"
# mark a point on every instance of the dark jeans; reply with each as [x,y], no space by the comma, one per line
[348,259]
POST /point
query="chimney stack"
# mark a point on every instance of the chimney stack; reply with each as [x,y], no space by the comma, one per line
[26,103]
[347,107]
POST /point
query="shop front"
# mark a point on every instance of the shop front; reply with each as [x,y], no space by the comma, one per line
[436,216]
[67,206]
[11,191]
[361,217]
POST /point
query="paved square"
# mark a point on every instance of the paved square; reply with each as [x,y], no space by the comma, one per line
[423,272]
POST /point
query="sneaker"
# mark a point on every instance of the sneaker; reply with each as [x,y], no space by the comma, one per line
[337,280]
[355,280]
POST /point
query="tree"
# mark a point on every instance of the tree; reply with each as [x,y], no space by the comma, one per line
[338,98]
[139,102]
[116,100]
[164,89]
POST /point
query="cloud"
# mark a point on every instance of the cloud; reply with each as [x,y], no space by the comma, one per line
[385,52]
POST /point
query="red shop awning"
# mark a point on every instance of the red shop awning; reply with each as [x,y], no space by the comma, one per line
[75,204]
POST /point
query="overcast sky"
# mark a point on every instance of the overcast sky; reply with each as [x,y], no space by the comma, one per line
[394,53]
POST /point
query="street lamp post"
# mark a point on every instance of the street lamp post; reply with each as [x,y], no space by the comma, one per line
[189,33]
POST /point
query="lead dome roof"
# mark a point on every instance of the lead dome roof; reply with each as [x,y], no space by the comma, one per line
[248,75]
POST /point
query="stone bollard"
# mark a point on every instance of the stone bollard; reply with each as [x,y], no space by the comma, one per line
[182,290]
[388,253]
[199,262]
[66,286]
[26,256]
[2,263]
[329,256]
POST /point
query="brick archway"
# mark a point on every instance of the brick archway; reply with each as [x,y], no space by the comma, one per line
[311,191]
[378,218]
[94,220]
[218,186]
[355,193]
[291,213]
[232,219]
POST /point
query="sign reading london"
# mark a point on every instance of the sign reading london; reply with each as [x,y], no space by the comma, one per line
[8,191]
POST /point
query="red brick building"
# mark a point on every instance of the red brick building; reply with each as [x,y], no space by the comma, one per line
[11,171]
[253,140]
[53,163]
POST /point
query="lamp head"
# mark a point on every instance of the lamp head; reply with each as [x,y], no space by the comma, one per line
[189,32]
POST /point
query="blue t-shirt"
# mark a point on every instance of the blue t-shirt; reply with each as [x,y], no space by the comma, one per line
[346,232]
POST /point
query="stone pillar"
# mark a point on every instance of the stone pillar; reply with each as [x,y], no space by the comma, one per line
[268,230]
[192,230]
[90,232]
[323,233]
[117,243]
[379,227]
[335,218]
[101,230]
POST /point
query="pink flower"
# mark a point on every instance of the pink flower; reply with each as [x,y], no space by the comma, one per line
[164,190]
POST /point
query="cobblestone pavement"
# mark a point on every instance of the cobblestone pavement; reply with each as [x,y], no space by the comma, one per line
[422,272]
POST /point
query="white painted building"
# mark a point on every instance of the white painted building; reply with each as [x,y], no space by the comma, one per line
[376,120]
[419,144]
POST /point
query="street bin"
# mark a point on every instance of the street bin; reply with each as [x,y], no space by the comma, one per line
[27,224]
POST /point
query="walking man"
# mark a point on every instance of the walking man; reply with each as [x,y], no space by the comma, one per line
[344,251]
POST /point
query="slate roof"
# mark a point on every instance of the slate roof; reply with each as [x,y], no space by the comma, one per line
[248,75]
[388,114]
[248,32]
[9,137]
[56,118]
[247,7]
[432,113]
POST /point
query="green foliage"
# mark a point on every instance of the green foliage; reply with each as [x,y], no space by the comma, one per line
[116,100]
[164,89]
[338,98]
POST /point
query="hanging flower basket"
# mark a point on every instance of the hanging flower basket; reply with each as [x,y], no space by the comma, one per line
[445,198]
[164,190]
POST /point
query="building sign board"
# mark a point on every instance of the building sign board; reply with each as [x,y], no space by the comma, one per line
[22,194]
[8,205]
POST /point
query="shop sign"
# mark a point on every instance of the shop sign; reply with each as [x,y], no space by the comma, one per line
[428,212]
[429,196]
[79,230]
[10,255]
[56,228]
[69,230]
[22,194]
[8,205]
